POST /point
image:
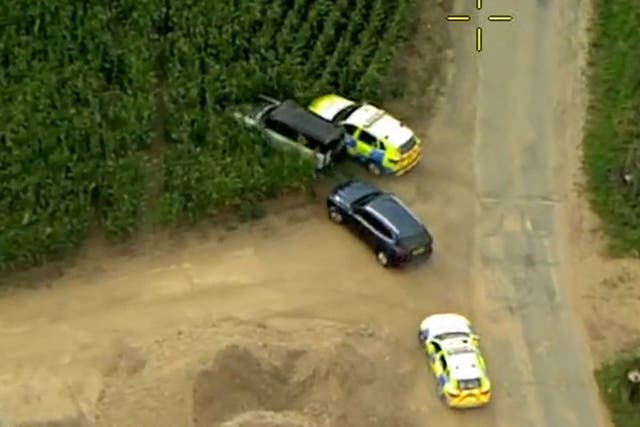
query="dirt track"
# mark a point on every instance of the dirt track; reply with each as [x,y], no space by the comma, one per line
[141,340]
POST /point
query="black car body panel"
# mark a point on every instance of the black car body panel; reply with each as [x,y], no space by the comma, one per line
[308,123]
[288,125]
[383,221]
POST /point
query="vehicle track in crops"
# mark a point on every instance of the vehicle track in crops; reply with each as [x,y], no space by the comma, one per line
[122,337]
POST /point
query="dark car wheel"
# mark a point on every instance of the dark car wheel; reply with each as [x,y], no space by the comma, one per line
[383,259]
[335,215]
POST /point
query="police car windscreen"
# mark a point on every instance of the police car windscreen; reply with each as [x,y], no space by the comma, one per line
[408,146]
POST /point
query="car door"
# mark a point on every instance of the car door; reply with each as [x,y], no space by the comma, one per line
[366,145]
[280,133]
[360,224]
[286,137]
[441,370]
[375,232]
[433,351]
[375,154]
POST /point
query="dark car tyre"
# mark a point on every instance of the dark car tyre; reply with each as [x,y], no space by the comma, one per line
[383,259]
[374,169]
[335,215]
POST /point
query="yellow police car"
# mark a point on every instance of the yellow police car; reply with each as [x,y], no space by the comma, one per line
[455,360]
[384,144]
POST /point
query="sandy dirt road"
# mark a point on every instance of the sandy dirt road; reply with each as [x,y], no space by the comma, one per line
[521,243]
[488,188]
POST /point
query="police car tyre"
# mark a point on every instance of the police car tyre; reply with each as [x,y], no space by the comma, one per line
[374,168]
[383,259]
[335,215]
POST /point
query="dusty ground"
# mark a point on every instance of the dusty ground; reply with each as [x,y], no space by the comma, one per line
[289,321]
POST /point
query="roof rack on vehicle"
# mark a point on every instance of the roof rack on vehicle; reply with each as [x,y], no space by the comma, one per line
[377,115]
[269,99]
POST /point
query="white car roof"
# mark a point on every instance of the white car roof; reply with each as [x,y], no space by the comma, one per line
[332,108]
[381,125]
[445,323]
[464,366]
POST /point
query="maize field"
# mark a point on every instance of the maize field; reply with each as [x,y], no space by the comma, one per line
[90,88]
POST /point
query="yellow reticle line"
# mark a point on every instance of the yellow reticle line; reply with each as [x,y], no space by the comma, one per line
[458,18]
[466,18]
[500,18]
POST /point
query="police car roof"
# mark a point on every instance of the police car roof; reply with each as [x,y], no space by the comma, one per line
[293,115]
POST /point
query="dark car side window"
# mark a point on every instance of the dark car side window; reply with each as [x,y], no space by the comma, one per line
[350,129]
[376,224]
[367,138]
[281,129]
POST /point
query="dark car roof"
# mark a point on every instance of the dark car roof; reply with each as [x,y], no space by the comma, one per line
[293,115]
[388,207]
[355,189]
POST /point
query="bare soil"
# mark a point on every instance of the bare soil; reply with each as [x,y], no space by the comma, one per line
[224,326]
[289,321]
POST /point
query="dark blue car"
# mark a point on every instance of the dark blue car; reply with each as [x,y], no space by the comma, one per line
[395,234]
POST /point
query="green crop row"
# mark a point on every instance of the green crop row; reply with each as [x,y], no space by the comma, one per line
[71,133]
[105,103]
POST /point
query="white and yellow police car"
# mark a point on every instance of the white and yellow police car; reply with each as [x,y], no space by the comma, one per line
[384,144]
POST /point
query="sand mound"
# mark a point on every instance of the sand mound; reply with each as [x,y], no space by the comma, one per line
[289,385]
[283,372]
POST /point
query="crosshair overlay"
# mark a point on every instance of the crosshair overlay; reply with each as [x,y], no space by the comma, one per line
[493,18]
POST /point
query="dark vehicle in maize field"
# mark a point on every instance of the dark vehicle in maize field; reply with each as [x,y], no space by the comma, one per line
[288,125]
[389,227]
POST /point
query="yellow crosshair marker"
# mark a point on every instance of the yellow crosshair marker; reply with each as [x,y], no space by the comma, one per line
[493,18]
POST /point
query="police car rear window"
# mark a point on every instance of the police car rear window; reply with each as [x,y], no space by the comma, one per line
[471,384]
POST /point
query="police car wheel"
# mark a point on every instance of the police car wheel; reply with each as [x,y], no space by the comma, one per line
[335,215]
[374,169]
[383,259]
